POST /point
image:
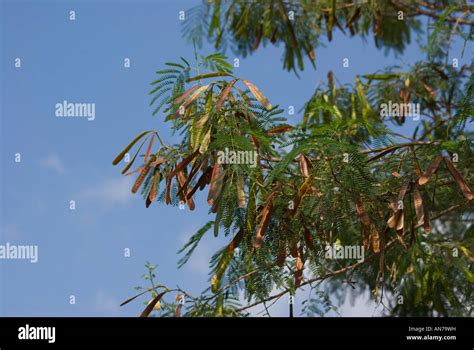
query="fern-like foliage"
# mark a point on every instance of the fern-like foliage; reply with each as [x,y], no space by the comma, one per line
[281,194]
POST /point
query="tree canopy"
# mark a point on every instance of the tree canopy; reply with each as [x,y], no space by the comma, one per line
[339,177]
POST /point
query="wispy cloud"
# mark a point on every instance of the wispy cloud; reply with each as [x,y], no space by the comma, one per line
[10,232]
[110,192]
[105,304]
[53,162]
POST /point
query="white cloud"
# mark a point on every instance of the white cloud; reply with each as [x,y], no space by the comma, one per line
[199,261]
[53,162]
[106,304]
[10,232]
[110,192]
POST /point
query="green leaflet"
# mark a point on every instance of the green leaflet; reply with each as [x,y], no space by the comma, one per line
[286,161]
[193,243]
[251,209]
[439,26]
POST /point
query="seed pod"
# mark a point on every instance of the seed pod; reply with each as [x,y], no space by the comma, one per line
[184,163]
[430,171]
[301,192]
[304,165]
[129,146]
[375,239]
[366,237]
[140,179]
[225,93]
[148,150]
[265,219]
[427,223]
[459,180]
[299,265]
[240,193]
[308,238]
[168,189]
[396,220]
[215,174]
[152,305]
[403,190]
[418,203]
[360,209]
[177,312]
[279,129]
[258,94]
[188,92]
[182,181]
[153,190]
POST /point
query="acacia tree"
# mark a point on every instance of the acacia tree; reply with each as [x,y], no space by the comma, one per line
[340,177]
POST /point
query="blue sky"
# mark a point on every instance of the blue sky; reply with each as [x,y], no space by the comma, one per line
[81,252]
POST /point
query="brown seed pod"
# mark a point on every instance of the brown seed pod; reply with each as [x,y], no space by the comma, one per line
[140,179]
[225,93]
[459,180]
[361,213]
[299,265]
[265,219]
[214,176]
[375,239]
[430,171]
[418,203]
